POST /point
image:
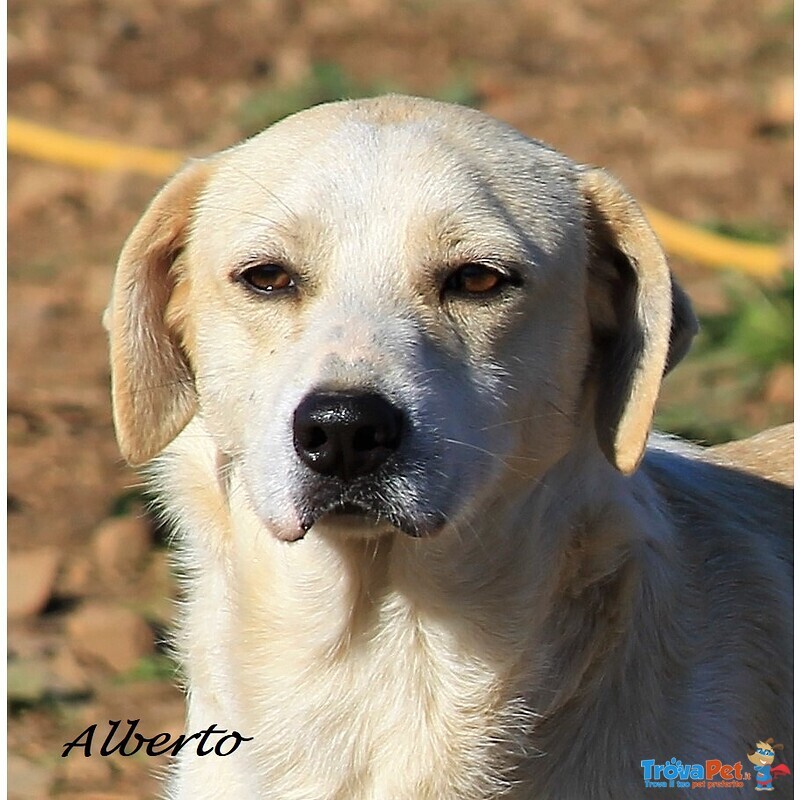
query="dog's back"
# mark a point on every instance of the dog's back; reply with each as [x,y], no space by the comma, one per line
[769,454]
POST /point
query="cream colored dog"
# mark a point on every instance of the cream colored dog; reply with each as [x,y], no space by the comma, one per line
[397,365]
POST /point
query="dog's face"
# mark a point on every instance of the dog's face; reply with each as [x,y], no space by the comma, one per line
[383,309]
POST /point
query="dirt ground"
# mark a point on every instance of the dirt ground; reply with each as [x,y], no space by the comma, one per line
[685,101]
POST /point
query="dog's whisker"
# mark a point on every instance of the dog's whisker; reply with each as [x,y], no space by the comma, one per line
[502,458]
[264,188]
[244,212]
[519,420]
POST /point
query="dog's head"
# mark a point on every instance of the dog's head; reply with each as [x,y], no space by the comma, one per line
[380,309]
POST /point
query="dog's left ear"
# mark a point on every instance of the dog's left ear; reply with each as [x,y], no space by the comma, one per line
[642,321]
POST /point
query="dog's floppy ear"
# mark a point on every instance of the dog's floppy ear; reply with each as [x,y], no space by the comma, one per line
[153,389]
[642,321]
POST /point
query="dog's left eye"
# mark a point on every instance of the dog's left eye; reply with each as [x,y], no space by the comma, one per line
[267,278]
[477,279]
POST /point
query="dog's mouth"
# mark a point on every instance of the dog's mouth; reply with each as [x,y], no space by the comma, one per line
[351,509]
[369,517]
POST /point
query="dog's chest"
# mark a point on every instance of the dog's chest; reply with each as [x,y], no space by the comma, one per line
[402,714]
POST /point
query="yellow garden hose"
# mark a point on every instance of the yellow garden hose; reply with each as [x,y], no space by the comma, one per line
[46,144]
[694,244]
[679,238]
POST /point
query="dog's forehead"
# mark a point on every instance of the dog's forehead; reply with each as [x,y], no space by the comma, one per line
[344,165]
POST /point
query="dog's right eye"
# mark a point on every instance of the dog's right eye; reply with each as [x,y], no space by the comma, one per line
[479,280]
[267,278]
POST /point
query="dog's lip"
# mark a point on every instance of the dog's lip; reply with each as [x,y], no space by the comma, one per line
[353,513]
[350,509]
[345,511]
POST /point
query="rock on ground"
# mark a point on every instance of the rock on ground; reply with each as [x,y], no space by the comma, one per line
[31,578]
[114,636]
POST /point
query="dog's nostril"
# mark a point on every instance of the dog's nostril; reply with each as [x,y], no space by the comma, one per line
[371,437]
[314,438]
[367,439]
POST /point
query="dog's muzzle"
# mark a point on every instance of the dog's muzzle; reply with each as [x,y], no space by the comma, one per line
[350,442]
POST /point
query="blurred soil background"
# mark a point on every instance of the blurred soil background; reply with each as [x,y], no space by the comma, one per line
[688,102]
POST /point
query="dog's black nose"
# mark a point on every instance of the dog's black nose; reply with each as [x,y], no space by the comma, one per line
[344,435]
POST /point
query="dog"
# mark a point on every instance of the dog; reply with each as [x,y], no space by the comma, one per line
[392,368]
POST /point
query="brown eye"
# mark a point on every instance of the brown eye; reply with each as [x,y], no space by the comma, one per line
[477,279]
[267,278]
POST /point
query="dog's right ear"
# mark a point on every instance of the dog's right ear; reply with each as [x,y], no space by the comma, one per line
[153,389]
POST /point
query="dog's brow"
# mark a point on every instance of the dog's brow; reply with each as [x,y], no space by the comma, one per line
[298,239]
[452,236]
